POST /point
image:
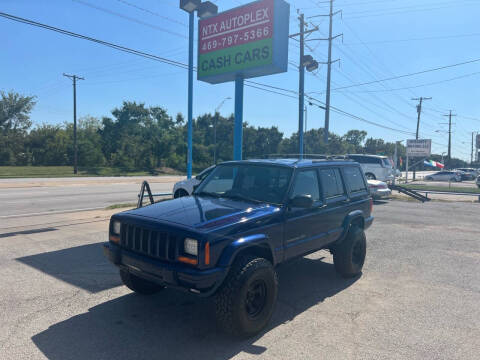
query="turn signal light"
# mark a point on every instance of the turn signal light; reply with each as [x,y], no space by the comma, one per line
[187,260]
[114,239]
[207,253]
[371,206]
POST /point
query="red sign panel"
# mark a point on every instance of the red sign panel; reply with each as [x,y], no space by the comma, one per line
[238,26]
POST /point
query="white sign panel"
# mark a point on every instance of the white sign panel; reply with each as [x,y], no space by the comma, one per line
[419,148]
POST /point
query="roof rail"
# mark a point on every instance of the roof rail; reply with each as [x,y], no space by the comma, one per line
[315,157]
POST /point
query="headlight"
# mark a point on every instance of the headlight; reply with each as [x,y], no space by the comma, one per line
[190,246]
[116,225]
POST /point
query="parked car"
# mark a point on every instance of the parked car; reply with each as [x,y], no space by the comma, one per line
[444,176]
[185,187]
[468,173]
[478,181]
[379,189]
[245,219]
[375,167]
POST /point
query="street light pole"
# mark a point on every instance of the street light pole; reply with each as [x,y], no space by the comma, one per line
[204,9]
[190,94]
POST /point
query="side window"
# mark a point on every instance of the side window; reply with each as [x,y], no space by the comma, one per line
[306,183]
[354,178]
[332,183]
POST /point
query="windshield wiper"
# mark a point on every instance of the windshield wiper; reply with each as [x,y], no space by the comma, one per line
[241,197]
[206,193]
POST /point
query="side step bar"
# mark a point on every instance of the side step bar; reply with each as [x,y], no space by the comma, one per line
[412,193]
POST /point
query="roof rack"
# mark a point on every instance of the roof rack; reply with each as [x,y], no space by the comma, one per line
[313,157]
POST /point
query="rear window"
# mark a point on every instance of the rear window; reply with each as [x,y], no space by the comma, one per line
[386,162]
[332,183]
[354,178]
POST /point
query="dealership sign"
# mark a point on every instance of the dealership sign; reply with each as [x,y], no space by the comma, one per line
[420,148]
[247,41]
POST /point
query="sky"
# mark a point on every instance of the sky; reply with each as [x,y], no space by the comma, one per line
[381,39]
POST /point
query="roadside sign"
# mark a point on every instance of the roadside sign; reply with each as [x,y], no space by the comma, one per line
[478,141]
[247,41]
[419,148]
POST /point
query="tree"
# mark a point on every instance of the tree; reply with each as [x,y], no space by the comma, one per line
[14,122]
[15,111]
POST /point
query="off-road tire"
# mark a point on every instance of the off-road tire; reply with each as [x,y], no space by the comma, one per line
[139,285]
[349,255]
[231,299]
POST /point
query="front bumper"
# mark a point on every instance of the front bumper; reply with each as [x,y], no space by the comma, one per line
[381,193]
[201,282]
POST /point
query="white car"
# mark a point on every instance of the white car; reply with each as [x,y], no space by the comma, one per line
[375,167]
[379,189]
[185,187]
[444,176]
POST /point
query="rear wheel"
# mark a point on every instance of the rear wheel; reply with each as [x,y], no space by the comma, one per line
[139,285]
[349,255]
[180,193]
[245,302]
[370,176]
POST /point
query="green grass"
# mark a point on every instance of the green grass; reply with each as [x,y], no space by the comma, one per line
[66,171]
[121,206]
[426,187]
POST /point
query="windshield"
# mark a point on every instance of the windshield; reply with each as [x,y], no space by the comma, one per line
[256,183]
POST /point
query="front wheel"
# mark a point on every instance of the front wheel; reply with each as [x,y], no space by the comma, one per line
[139,285]
[349,255]
[245,301]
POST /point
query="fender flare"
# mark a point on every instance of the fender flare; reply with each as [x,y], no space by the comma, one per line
[230,252]
[347,222]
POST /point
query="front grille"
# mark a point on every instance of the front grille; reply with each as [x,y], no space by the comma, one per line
[157,244]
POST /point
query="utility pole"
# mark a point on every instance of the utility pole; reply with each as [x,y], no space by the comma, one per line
[329,76]
[75,149]
[419,111]
[449,153]
[301,85]
[306,62]
[329,68]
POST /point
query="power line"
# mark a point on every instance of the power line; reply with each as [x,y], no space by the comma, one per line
[129,18]
[421,85]
[105,43]
[152,13]
[416,39]
[409,74]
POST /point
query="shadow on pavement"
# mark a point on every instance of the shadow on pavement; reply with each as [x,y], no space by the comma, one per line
[175,325]
[83,266]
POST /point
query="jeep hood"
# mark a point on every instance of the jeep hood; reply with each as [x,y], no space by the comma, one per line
[204,213]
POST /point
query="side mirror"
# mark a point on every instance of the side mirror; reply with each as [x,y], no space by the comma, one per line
[302,201]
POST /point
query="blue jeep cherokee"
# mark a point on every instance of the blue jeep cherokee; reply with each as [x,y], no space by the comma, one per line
[243,220]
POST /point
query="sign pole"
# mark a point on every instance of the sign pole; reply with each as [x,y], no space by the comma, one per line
[190,95]
[238,127]
[406,175]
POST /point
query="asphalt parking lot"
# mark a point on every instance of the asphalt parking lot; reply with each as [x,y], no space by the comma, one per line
[418,296]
